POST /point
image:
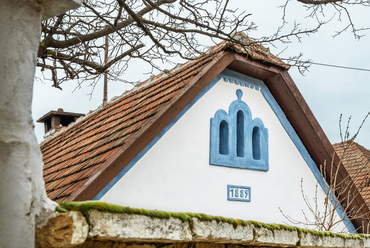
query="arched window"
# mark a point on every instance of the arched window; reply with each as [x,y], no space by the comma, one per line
[240,134]
[256,143]
[237,140]
[224,137]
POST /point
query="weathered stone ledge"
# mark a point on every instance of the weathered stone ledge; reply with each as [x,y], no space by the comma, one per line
[90,227]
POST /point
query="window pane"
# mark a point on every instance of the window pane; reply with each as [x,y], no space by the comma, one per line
[256,143]
[224,137]
[240,134]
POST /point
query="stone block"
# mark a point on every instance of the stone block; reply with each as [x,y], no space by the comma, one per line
[366,242]
[81,228]
[275,237]
[355,243]
[65,230]
[221,231]
[136,227]
[315,240]
[310,240]
[328,241]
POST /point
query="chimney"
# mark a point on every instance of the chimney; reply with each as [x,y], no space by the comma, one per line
[54,121]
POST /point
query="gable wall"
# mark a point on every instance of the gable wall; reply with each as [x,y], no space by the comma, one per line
[175,174]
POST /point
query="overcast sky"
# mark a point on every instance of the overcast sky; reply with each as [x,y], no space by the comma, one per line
[328,91]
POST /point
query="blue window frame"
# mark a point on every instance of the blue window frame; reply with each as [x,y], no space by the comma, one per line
[237,140]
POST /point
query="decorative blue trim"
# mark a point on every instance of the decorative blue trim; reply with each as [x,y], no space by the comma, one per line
[234,78]
[246,146]
[238,78]
[238,193]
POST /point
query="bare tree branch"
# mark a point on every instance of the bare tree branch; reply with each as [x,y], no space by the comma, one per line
[340,192]
[159,32]
[319,2]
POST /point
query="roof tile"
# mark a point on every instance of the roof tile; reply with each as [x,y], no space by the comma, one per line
[356,159]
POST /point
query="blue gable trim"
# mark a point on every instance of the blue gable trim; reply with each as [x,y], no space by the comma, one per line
[242,80]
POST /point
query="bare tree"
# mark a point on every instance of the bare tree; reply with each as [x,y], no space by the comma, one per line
[341,189]
[336,207]
[340,9]
[155,31]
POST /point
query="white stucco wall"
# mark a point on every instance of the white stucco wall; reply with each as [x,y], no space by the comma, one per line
[175,174]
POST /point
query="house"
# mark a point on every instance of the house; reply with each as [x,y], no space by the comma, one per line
[227,134]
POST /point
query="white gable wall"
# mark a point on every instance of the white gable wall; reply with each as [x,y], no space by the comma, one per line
[175,174]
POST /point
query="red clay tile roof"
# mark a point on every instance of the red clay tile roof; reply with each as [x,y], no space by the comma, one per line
[73,155]
[356,159]
[256,51]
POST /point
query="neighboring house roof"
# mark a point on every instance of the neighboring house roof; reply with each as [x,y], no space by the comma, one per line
[83,158]
[356,159]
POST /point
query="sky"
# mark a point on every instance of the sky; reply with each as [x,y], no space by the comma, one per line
[330,92]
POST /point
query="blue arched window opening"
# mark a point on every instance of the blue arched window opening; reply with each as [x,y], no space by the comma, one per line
[224,138]
[240,134]
[256,143]
[237,140]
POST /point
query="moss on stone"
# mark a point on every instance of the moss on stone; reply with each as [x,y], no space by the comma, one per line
[220,219]
[61,210]
[200,216]
[182,216]
[242,222]
[273,227]
[328,234]
[206,217]
[159,214]
[88,205]
[366,236]
[85,206]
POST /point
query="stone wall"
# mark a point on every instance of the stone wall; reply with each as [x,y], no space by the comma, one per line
[149,229]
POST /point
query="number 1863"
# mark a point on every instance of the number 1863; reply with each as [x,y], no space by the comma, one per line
[238,193]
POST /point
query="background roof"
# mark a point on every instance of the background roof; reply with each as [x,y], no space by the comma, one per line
[356,159]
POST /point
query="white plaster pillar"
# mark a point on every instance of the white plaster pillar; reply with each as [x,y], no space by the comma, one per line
[22,193]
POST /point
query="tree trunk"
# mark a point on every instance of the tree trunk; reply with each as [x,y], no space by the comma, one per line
[22,192]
